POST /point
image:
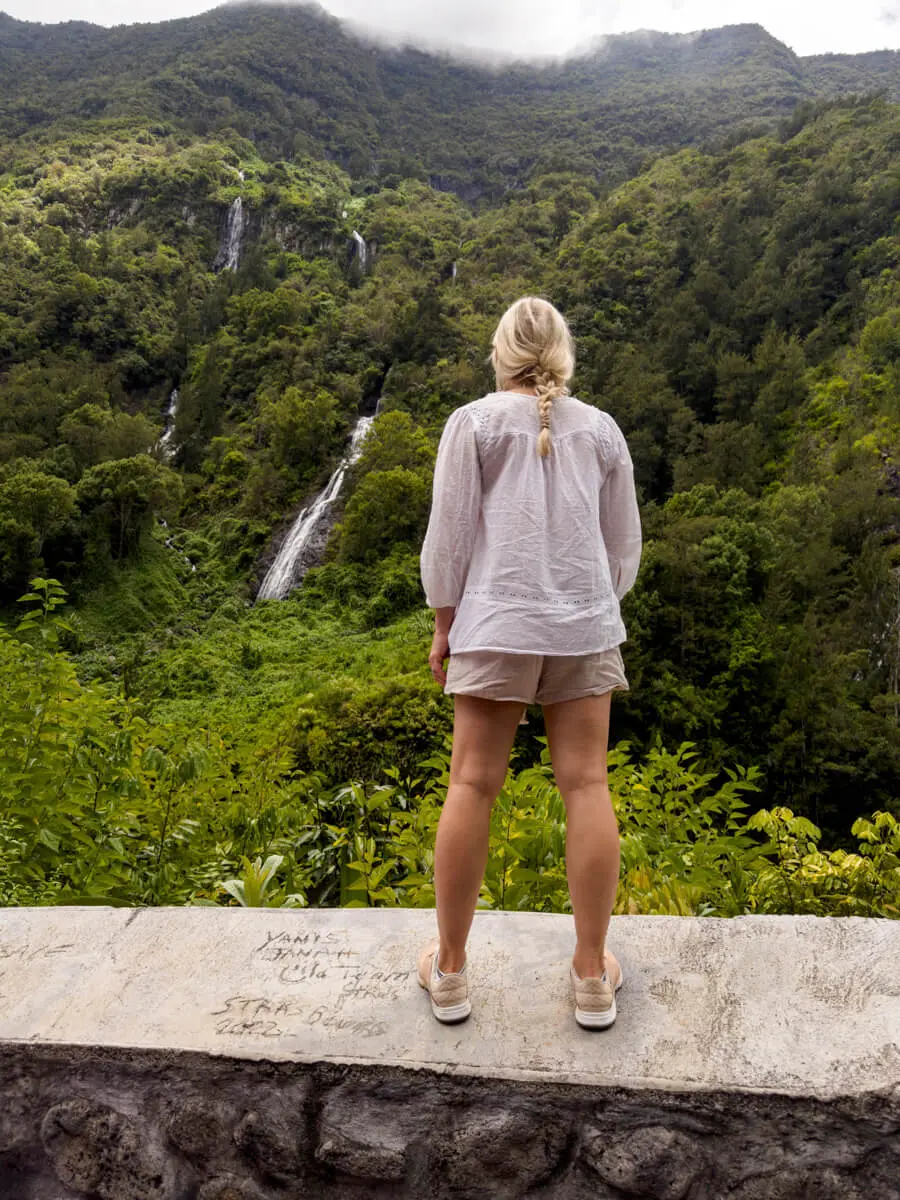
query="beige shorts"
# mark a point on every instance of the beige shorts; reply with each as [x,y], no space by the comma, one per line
[535,678]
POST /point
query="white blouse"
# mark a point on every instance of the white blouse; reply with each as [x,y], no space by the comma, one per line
[533,553]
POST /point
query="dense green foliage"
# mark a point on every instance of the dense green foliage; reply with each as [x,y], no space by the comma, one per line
[98,805]
[736,308]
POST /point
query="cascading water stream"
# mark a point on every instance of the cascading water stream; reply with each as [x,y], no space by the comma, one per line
[164,445]
[230,250]
[288,568]
[170,544]
[167,450]
[362,250]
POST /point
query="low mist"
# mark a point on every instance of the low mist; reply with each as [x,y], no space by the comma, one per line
[493,33]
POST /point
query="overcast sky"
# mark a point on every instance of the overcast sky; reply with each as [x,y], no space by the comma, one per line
[529,27]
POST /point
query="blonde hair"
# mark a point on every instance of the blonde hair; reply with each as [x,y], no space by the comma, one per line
[533,347]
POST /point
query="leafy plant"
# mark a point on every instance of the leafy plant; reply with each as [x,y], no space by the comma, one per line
[258,886]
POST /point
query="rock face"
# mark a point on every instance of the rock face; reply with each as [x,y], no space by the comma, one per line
[243,1055]
[95,1149]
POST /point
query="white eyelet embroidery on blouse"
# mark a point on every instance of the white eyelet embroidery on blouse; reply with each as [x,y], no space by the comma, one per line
[482,418]
[535,597]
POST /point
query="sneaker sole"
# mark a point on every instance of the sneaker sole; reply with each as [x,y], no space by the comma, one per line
[599,1020]
[450,1014]
[596,1020]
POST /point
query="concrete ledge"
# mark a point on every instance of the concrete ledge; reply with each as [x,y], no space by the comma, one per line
[224,1053]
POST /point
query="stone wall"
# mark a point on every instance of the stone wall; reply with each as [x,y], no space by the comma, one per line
[153,1126]
[225,1055]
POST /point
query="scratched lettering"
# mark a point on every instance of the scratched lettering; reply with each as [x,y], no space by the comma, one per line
[268,1029]
[259,1016]
[375,984]
[32,953]
[302,958]
[280,946]
[302,972]
[359,1026]
[252,1007]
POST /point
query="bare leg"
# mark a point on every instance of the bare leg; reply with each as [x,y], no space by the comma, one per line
[483,732]
[578,731]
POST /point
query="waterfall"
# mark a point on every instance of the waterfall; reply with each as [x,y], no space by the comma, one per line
[230,250]
[170,543]
[167,450]
[164,445]
[361,250]
[306,534]
[453,272]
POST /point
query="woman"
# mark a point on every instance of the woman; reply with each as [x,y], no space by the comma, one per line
[534,538]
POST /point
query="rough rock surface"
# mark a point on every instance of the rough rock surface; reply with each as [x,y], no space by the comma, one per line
[297,1058]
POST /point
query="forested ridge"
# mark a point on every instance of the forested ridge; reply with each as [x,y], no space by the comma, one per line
[296,81]
[729,265]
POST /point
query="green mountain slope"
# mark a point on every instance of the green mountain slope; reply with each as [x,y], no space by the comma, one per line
[835,74]
[294,80]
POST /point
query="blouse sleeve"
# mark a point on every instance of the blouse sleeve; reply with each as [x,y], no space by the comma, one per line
[455,512]
[620,520]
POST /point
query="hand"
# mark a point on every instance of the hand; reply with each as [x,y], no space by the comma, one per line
[440,652]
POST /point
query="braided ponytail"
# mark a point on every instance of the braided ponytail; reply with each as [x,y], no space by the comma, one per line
[533,347]
[548,389]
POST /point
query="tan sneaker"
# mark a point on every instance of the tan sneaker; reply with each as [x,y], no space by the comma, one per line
[449,993]
[595,998]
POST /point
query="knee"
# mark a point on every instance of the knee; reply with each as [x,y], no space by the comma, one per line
[582,784]
[482,789]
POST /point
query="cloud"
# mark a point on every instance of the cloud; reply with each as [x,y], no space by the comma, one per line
[526,27]
[556,27]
